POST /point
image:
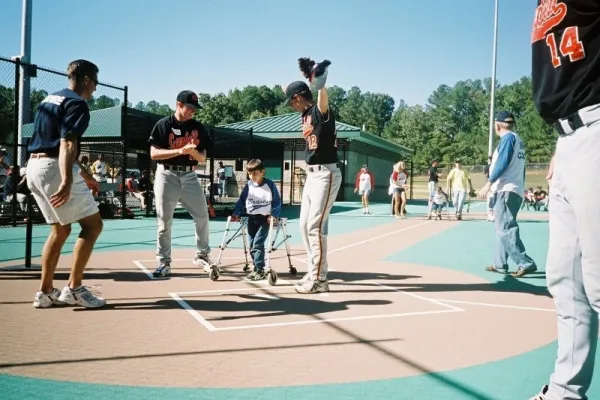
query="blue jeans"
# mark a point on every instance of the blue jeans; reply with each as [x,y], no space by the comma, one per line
[508,239]
[258,231]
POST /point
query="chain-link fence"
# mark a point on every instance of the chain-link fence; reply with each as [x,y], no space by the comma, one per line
[535,175]
[23,87]
[225,174]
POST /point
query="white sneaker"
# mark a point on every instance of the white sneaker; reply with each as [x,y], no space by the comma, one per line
[541,395]
[311,286]
[45,300]
[303,280]
[204,261]
[81,296]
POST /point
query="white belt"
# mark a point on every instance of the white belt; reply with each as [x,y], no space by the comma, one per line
[321,167]
[583,117]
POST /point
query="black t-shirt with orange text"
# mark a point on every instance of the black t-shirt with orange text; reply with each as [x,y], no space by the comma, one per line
[320,136]
[169,133]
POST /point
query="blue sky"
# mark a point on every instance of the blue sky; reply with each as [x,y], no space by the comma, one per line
[405,48]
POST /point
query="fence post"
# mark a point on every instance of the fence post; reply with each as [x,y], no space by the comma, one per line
[211,166]
[29,231]
[412,179]
[292,171]
[125,143]
[15,152]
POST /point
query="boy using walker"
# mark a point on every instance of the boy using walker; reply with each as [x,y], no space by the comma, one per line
[260,201]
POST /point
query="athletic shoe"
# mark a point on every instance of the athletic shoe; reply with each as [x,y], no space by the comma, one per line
[45,300]
[204,261]
[522,272]
[493,268]
[81,296]
[303,280]
[257,275]
[162,271]
[541,395]
[312,286]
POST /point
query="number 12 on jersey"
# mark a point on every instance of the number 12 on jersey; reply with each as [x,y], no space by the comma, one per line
[311,142]
[570,45]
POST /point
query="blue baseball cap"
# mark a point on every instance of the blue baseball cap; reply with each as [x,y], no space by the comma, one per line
[505,116]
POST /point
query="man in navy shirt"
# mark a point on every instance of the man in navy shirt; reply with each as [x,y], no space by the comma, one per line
[61,187]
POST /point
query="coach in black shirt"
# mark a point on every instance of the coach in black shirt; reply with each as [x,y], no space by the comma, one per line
[178,143]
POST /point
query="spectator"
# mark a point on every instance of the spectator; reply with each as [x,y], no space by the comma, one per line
[13,184]
[222,180]
[458,180]
[433,183]
[541,199]
[143,189]
[364,185]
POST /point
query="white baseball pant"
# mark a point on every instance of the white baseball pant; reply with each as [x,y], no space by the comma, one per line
[573,263]
[169,188]
[320,191]
[432,188]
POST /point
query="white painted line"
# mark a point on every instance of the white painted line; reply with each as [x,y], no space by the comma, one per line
[190,259]
[300,260]
[416,296]
[266,296]
[495,305]
[193,312]
[246,289]
[144,269]
[408,228]
[324,294]
[321,321]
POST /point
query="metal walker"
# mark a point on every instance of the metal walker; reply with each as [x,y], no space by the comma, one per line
[279,227]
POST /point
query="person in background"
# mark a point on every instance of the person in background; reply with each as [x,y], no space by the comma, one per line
[222,180]
[364,185]
[458,180]
[432,185]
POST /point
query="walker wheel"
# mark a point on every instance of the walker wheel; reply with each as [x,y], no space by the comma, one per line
[293,270]
[214,273]
[272,278]
[246,268]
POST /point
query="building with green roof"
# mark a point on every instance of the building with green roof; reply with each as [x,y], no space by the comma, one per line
[356,147]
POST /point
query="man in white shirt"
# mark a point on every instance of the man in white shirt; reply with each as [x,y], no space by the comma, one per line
[507,183]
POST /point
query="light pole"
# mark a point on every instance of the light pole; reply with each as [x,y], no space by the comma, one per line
[24,92]
[493,91]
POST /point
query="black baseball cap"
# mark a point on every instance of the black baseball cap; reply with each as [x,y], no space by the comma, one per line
[293,89]
[505,116]
[188,98]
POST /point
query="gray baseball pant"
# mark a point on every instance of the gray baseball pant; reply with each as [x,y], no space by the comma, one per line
[320,191]
[573,265]
[169,188]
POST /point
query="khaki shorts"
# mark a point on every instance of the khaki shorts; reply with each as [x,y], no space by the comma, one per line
[43,179]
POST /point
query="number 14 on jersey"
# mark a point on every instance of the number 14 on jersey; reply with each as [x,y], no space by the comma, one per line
[570,45]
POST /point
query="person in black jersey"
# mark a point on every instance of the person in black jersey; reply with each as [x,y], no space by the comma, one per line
[323,180]
[432,185]
[179,142]
[61,187]
[566,91]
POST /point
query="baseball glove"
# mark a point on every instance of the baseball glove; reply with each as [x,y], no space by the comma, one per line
[316,73]
[472,193]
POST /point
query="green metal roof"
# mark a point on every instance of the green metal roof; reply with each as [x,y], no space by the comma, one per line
[103,123]
[289,126]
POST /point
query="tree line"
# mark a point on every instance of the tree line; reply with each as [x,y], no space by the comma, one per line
[454,122]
